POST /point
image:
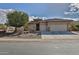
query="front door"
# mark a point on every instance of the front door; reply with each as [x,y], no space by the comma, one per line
[37,27]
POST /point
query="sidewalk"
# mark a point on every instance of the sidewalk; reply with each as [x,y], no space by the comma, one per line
[53,37]
[5,39]
[65,37]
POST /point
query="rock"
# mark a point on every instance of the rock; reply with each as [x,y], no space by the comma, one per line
[10,29]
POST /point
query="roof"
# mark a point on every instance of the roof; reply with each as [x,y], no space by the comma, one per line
[51,20]
[58,19]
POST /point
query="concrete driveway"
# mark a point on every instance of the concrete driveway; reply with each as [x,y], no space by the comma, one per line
[60,35]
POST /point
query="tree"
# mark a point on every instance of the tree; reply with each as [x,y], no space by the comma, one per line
[74,27]
[17,19]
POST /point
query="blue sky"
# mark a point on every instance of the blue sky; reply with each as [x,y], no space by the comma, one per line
[39,9]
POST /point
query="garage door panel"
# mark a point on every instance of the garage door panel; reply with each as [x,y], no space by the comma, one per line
[58,27]
[42,27]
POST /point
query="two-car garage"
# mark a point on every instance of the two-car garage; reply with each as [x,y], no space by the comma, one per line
[53,26]
[58,27]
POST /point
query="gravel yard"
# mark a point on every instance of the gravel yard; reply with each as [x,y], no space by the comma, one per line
[27,36]
[45,35]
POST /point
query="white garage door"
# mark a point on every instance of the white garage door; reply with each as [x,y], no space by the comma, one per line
[58,27]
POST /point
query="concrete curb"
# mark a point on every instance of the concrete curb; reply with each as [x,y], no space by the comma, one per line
[20,40]
[29,40]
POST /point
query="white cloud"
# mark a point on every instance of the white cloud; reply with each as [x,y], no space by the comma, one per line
[73,9]
[3,13]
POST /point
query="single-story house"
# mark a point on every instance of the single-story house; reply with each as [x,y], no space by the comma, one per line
[39,25]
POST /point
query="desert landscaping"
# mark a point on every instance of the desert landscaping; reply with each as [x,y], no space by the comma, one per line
[19,27]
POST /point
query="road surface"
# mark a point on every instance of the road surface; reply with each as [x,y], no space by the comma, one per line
[54,47]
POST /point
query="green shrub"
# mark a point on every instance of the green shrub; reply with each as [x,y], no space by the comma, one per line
[74,27]
[2,26]
[77,27]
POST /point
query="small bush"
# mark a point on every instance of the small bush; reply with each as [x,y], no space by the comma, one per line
[2,26]
[77,27]
[74,27]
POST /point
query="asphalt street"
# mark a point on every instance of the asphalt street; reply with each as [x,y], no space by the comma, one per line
[54,47]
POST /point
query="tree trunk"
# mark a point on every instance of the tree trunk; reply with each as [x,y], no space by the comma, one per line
[18,30]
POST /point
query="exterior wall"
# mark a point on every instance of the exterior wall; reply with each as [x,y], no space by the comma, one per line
[50,26]
[42,27]
[32,27]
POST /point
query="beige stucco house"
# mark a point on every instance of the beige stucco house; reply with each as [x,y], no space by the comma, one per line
[49,25]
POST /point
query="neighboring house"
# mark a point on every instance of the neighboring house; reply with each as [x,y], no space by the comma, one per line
[39,25]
